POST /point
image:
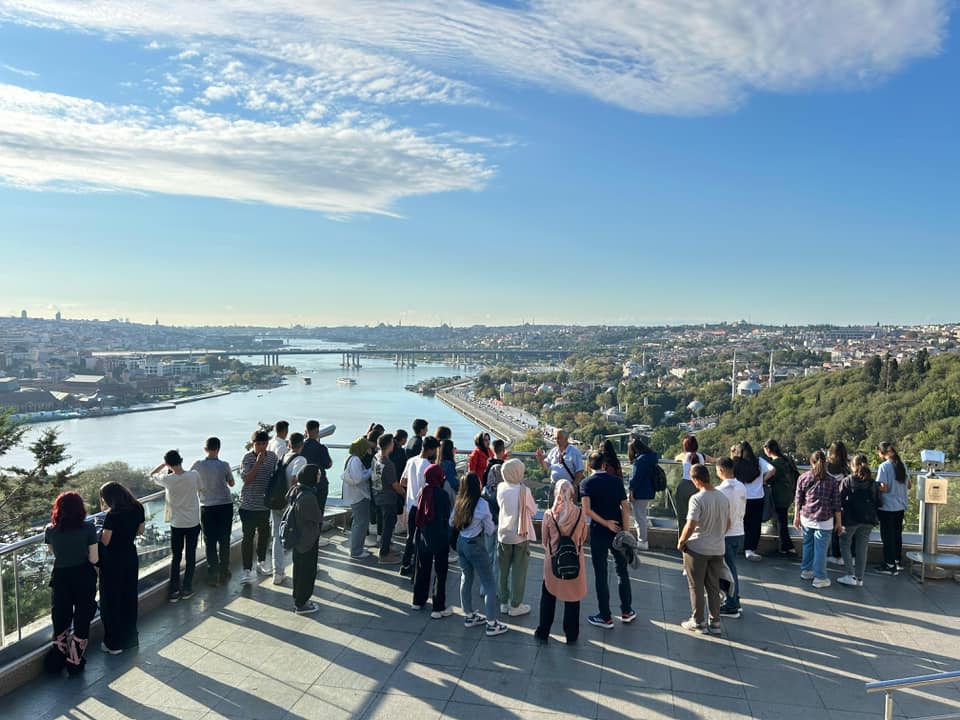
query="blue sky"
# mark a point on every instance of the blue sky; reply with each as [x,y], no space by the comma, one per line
[592,162]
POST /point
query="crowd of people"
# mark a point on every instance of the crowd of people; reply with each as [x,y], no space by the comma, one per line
[482,518]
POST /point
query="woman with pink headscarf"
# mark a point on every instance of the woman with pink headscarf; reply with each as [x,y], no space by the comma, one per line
[564,530]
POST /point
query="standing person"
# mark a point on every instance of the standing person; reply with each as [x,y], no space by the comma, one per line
[472,519]
[605,503]
[119,567]
[838,465]
[894,483]
[303,496]
[399,459]
[611,463]
[563,461]
[859,499]
[514,534]
[449,464]
[784,488]
[413,479]
[490,482]
[817,512]
[736,495]
[565,520]
[216,511]
[432,522]
[183,513]
[754,472]
[480,455]
[73,542]
[356,494]
[387,493]
[415,443]
[316,453]
[278,445]
[256,469]
[644,462]
[702,544]
[376,517]
[292,463]
[443,433]
[690,456]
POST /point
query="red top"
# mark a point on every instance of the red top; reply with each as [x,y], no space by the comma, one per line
[477,463]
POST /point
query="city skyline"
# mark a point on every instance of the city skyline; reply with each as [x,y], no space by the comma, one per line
[271,164]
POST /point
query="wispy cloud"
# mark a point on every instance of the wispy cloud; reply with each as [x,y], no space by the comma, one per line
[19,71]
[349,165]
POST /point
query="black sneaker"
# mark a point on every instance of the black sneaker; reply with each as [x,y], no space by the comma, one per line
[887,569]
[174,597]
[406,571]
[730,612]
[186,593]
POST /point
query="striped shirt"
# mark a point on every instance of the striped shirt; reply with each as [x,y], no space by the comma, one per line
[253,492]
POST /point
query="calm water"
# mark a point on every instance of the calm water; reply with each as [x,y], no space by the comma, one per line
[140,439]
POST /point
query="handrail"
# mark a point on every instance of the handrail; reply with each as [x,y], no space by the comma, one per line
[888,687]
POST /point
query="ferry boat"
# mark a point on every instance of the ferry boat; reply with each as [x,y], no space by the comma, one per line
[346,381]
[306,380]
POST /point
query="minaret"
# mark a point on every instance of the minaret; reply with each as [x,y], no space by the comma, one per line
[770,383]
[733,378]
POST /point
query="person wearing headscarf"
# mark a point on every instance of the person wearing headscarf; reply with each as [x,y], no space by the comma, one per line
[303,496]
[514,532]
[432,543]
[356,494]
[564,519]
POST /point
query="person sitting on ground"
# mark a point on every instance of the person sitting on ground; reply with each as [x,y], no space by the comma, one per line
[472,520]
[387,491]
[703,547]
[73,541]
[564,520]
[514,533]
[817,512]
[644,462]
[183,514]
[432,523]
[733,539]
[303,496]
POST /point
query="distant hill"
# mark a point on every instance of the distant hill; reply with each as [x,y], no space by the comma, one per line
[914,406]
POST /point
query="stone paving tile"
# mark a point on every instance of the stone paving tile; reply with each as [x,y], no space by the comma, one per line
[239,652]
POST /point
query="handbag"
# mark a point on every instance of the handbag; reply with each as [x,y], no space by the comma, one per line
[523,518]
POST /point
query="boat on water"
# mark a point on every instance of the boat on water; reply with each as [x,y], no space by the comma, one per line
[346,381]
[306,380]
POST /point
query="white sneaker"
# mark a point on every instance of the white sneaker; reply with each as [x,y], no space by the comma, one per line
[643,545]
[521,609]
[848,580]
[437,614]
[246,578]
[806,574]
[504,608]
[362,556]
[278,579]
[264,568]
[753,556]
[821,582]
[834,560]
[323,542]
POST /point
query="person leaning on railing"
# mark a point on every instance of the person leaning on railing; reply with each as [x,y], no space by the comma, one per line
[119,567]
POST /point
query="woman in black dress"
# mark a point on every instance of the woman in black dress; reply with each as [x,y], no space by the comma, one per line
[119,567]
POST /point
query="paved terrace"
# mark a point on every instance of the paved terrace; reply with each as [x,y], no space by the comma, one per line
[238,652]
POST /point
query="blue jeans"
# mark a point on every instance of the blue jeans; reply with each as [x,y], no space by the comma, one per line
[491,544]
[474,560]
[815,544]
[734,547]
[359,526]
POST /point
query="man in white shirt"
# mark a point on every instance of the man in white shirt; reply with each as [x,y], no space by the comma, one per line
[413,479]
[293,462]
[737,497]
[183,514]
[565,461]
[278,444]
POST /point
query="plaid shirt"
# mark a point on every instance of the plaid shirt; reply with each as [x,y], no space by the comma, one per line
[818,500]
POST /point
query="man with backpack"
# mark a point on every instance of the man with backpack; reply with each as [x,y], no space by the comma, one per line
[317,454]
[300,532]
[283,479]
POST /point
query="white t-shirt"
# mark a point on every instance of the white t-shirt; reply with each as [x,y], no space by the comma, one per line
[295,463]
[183,498]
[755,489]
[278,446]
[687,464]
[415,472]
[737,497]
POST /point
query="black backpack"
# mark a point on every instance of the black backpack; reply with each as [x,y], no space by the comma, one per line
[862,506]
[289,530]
[275,497]
[659,478]
[565,558]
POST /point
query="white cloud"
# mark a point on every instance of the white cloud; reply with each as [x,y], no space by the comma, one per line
[341,168]
[19,71]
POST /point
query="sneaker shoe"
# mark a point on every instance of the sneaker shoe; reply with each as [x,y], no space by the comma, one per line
[108,651]
[473,619]
[753,556]
[521,609]
[821,582]
[598,621]
[730,612]
[495,628]
[887,569]
[628,617]
[278,579]
[693,626]
[643,545]
[834,561]
[414,606]
[437,614]
[715,628]
[848,580]
[504,608]
[264,568]
[310,607]
[323,542]
[406,571]
[859,582]
[173,597]
[389,559]
[247,577]
[186,593]
[788,552]
[806,574]
[362,556]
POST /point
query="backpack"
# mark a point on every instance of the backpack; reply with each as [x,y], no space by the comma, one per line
[659,478]
[565,558]
[862,506]
[492,479]
[275,496]
[289,530]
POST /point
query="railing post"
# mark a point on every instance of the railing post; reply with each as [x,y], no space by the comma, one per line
[3,622]
[888,705]
[16,596]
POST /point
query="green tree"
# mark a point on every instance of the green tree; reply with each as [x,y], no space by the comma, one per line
[88,482]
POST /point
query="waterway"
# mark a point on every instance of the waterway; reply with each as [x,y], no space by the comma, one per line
[140,439]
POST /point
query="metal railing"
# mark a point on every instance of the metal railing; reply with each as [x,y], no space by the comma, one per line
[888,687]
